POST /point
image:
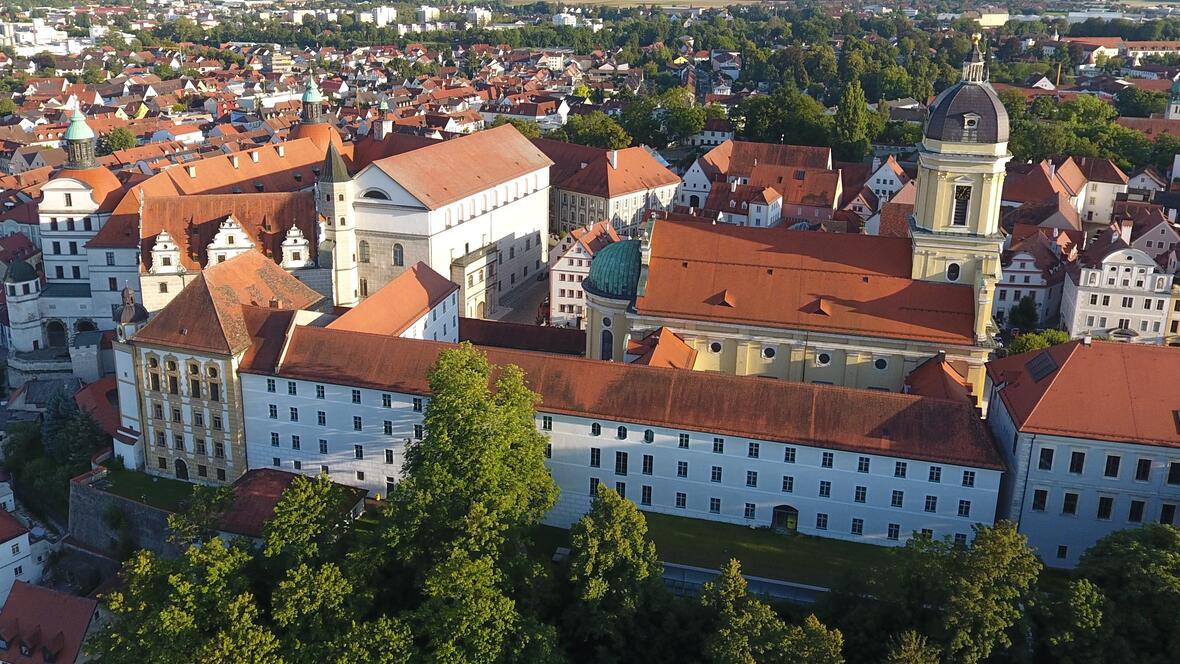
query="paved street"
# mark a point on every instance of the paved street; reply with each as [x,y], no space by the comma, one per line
[521,306]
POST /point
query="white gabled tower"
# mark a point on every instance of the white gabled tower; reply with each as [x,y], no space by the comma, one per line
[335,195]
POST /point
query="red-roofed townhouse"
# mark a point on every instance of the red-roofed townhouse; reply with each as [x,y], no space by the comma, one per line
[569,264]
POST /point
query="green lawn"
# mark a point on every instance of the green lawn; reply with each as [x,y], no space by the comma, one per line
[158,492]
[813,561]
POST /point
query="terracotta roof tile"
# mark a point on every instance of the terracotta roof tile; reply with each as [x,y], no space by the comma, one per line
[865,278]
[398,304]
[256,494]
[937,378]
[45,618]
[663,348]
[1102,391]
[635,169]
[890,424]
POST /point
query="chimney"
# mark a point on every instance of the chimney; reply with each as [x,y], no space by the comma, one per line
[282,150]
[192,171]
[254,156]
[876,163]
[613,156]
[275,303]
[733,186]
[234,160]
[1087,340]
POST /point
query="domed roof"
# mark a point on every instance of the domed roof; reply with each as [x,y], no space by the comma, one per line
[614,272]
[1176,88]
[311,92]
[19,270]
[78,129]
[131,311]
[969,111]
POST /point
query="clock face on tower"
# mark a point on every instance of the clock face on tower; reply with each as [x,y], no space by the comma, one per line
[962,193]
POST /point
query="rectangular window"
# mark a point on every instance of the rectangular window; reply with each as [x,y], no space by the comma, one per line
[648,462]
[683,444]
[749,510]
[387,427]
[821,521]
[964,508]
[681,500]
[681,469]
[593,485]
[714,506]
[548,450]
[621,489]
[826,461]
[273,411]
[1174,472]
[645,495]
[1040,498]
[859,494]
[358,451]
[292,389]
[751,478]
[1045,462]
[752,450]
[1069,505]
[788,484]
[968,478]
[295,442]
[323,446]
[935,474]
[319,391]
[931,504]
[718,446]
[1143,470]
[620,463]
[546,423]
[1135,514]
[896,499]
[388,456]
[825,489]
[789,455]
[1105,506]
[858,526]
[321,418]
[387,401]
[862,464]
[1112,465]
[1167,514]
[356,396]
[1077,462]
[899,469]
[962,202]
[270,385]
[357,423]
[294,414]
[715,474]
[219,450]
[595,457]
[417,404]
[419,431]
[274,439]
[893,531]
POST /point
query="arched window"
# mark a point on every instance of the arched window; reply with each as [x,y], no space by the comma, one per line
[952,272]
[399,255]
[363,250]
[595,429]
[622,431]
[607,351]
[649,435]
[376,194]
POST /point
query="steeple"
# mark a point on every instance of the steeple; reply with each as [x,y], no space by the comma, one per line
[334,169]
[79,143]
[313,110]
[973,65]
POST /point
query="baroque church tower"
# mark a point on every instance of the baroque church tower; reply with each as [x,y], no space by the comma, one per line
[335,195]
[961,166]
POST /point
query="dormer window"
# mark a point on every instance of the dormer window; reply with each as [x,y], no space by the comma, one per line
[970,127]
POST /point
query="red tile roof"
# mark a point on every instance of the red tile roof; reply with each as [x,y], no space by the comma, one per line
[663,348]
[10,528]
[884,423]
[45,620]
[101,400]
[864,282]
[588,170]
[208,314]
[398,304]
[1103,391]
[258,491]
[937,378]
[449,171]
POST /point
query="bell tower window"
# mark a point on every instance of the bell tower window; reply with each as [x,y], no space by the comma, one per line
[961,205]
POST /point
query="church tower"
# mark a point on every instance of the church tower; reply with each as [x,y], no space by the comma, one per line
[961,166]
[79,143]
[335,201]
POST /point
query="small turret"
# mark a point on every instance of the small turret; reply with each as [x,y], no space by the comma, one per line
[79,143]
[130,316]
[313,102]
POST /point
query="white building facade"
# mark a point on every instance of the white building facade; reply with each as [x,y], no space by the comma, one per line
[1123,295]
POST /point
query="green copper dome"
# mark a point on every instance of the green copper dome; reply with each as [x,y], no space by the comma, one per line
[1176,89]
[79,130]
[311,92]
[614,272]
[19,270]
